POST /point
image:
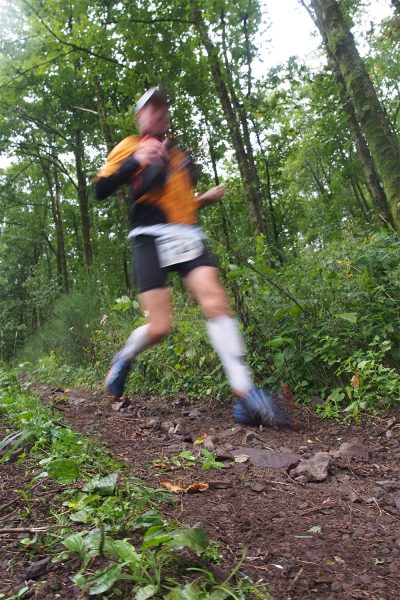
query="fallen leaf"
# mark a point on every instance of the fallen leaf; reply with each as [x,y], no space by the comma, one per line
[141,433]
[179,488]
[355,381]
[171,486]
[196,487]
[200,440]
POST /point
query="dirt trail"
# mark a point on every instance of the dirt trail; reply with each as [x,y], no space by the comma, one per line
[337,538]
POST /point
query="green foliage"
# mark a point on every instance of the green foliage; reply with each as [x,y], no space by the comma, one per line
[345,313]
[110,507]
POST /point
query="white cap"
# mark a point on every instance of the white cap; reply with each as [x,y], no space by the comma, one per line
[156,94]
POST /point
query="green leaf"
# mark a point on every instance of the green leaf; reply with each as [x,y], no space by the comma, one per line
[63,470]
[148,519]
[295,311]
[194,538]
[81,516]
[14,440]
[351,317]
[155,536]
[146,592]
[123,550]
[102,581]
[278,342]
[105,486]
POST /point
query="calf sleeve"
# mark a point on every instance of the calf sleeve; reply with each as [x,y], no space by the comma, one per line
[135,344]
[228,343]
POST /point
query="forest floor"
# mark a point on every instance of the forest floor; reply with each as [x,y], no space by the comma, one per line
[332,539]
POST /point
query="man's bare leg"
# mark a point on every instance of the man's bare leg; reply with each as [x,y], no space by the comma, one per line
[223,329]
[156,305]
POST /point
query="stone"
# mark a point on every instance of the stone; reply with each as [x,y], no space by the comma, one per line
[352,450]
[314,468]
[37,569]
[209,443]
[179,429]
[302,479]
[121,405]
[351,495]
[268,458]
[219,485]
[250,436]
[166,426]
[389,485]
[153,423]
[76,401]
[257,487]
[229,432]
[194,414]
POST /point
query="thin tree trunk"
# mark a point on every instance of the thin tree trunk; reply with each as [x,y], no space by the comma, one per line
[256,213]
[102,112]
[54,191]
[245,133]
[83,199]
[267,186]
[396,6]
[60,232]
[375,189]
[381,141]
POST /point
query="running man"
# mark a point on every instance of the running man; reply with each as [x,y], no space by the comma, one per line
[162,215]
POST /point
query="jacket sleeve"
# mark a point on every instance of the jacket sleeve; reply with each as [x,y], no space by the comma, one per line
[105,186]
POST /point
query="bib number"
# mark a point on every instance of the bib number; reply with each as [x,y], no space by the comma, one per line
[173,250]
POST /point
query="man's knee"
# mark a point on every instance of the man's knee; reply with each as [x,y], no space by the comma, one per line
[216,305]
[158,331]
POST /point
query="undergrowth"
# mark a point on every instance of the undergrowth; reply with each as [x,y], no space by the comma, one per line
[108,518]
[325,324]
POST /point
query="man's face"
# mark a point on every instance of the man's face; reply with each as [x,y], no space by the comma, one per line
[153,119]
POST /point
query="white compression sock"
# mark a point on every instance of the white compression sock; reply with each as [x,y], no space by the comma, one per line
[136,343]
[228,343]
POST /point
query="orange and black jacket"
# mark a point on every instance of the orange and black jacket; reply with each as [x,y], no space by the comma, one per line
[159,194]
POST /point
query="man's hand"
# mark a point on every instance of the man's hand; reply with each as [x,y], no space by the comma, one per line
[152,151]
[211,196]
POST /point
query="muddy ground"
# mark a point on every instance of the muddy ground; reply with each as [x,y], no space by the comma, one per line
[325,528]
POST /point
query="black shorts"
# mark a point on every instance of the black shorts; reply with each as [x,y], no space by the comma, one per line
[149,275]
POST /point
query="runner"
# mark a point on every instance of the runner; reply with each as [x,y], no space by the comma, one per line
[163,226]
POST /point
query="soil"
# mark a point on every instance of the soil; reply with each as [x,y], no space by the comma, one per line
[334,539]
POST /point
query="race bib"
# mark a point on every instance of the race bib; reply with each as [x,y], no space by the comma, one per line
[174,249]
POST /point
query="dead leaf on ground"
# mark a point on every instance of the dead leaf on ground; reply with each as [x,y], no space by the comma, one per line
[200,440]
[196,487]
[171,486]
[180,488]
[355,381]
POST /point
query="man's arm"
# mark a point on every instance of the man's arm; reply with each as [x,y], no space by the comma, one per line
[105,186]
[211,196]
[152,152]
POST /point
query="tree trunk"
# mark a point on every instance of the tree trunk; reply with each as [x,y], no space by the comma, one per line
[382,143]
[83,199]
[242,120]
[54,191]
[267,186]
[256,212]
[60,232]
[396,6]
[375,189]
[102,112]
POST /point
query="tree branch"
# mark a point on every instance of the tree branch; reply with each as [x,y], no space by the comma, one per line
[70,44]
[46,62]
